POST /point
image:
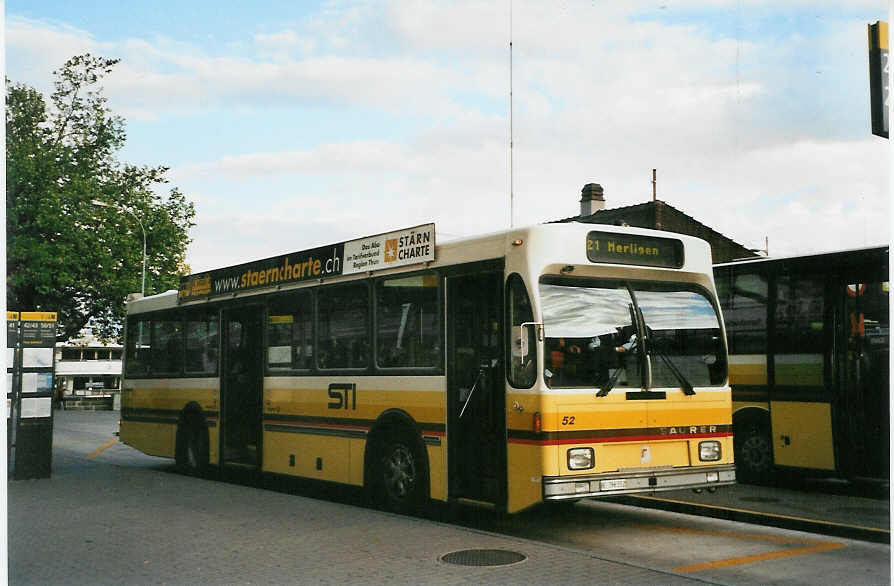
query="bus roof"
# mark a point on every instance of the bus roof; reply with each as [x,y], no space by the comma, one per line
[156,302]
[881,249]
[565,243]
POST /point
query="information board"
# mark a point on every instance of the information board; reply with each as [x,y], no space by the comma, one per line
[30,343]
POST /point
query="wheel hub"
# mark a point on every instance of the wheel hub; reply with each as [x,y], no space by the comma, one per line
[755,452]
[400,472]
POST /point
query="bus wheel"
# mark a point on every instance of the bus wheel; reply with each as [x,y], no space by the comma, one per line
[753,453]
[192,449]
[400,476]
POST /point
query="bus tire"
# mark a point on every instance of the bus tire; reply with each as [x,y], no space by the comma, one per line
[753,453]
[400,474]
[191,452]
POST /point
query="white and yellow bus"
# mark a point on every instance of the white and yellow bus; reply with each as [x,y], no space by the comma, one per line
[548,363]
[809,363]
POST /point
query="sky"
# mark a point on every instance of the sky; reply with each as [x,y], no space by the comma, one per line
[297,124]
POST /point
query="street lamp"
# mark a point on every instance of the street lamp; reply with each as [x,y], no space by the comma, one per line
[103,204]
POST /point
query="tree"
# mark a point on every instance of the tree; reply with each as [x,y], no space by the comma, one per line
[65,253]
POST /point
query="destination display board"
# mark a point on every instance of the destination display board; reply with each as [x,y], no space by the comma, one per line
[634,249]
[382,251]
[38,329]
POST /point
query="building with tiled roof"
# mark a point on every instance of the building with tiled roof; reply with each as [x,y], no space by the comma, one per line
[657,215]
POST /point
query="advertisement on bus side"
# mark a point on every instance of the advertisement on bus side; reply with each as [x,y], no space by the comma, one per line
[382,251]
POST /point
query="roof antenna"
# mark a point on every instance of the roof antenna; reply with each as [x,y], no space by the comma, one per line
[511,159]
[654,183]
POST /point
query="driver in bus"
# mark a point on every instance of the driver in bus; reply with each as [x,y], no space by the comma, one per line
[628,346]
[562,355]
[603,357]
[622,349]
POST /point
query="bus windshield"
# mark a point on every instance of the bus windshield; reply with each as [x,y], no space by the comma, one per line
[591,330]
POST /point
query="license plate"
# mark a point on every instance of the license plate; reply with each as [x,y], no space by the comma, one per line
[613,484]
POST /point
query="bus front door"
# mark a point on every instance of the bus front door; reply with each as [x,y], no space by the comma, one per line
[241,386]
[476,430]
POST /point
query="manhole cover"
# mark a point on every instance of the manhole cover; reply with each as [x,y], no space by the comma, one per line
[483,557]
[759,499]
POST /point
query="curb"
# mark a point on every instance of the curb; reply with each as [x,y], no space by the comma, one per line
[822,527]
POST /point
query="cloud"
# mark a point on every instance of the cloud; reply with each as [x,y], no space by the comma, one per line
[280,39]
[350,158]
[166,77]
[280,46]
[34,46]
[753,132]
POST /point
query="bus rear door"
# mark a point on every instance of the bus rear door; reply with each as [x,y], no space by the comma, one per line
[241,386]
[802,392]
[862,347]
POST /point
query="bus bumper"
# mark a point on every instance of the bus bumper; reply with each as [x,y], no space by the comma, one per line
[556,488]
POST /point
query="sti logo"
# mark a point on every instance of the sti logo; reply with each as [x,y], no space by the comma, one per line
[391,250]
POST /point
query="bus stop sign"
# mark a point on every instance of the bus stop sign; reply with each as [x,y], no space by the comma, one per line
[30,343]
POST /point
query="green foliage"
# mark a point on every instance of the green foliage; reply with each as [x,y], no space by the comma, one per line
[64,253]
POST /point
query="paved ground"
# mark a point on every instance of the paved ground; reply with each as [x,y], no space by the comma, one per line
[118,525]
[95,522]
[110,515]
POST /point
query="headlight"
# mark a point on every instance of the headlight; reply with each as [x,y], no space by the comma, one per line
[709,451]
[580,458]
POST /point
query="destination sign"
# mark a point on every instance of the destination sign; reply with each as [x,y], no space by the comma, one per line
[634,249]
[12,330]
[38,328]
[383,251]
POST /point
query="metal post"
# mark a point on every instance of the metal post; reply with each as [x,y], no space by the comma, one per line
[511,154]
[15,406]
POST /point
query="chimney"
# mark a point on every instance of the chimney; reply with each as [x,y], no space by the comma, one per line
[591,200]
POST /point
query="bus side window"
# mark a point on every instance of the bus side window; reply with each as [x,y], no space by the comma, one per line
[522,339]
[201,343]
[167,345]
[290,332]
[407,322]
[138,347]
[800,329]
[745,312]
[343,326]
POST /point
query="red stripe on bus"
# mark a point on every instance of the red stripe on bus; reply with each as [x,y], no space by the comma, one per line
[629,438]
[314,425]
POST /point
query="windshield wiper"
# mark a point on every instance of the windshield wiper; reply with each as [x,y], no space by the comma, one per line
[610,384]
[684,383]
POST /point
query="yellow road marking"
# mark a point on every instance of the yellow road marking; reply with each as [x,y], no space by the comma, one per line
[102,448]
[759,557]
[810,546]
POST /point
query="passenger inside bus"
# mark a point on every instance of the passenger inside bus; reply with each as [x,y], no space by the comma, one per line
[575,362]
